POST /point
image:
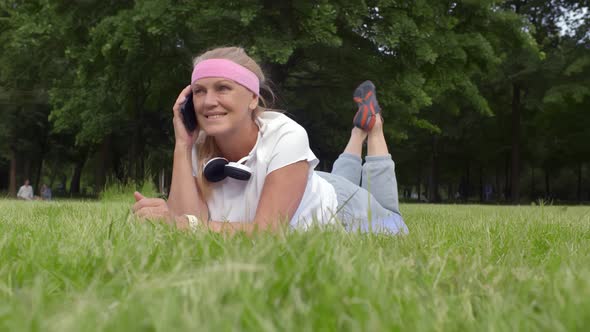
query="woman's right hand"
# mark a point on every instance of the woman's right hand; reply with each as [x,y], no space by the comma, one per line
[151,208]
[182,136]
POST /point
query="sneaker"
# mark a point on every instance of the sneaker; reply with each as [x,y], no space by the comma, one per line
[366,98]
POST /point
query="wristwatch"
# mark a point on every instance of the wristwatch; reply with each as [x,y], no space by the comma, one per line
[193,222]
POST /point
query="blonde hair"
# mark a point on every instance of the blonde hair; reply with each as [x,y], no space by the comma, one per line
[206,147]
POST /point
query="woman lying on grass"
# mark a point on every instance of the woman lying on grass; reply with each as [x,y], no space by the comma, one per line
[247,168]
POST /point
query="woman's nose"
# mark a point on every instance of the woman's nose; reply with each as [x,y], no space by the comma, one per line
[210,98]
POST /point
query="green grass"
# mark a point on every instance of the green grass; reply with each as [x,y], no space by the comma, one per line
[86,266]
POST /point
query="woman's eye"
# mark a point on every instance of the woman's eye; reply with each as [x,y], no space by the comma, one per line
[224,88]
[197,91]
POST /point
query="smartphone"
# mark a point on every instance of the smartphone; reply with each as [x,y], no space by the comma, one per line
[187,110]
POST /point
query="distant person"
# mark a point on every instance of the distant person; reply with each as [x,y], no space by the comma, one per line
[45,193]
[406,192]
[488,191]
[61,188]
[424,198]
[25,192]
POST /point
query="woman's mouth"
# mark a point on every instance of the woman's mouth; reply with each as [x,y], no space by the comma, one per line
[214,116]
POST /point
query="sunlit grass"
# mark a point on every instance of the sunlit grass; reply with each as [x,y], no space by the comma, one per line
[85,266]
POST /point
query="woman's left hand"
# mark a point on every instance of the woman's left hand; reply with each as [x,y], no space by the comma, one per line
[151,208]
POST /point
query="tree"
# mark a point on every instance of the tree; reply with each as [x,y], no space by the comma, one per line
[525,71]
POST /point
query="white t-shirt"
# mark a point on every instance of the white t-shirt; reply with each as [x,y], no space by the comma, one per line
[25,192]
[281,142]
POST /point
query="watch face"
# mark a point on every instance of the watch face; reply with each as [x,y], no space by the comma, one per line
[193,221]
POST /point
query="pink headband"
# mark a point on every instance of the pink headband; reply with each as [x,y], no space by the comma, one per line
[227,69]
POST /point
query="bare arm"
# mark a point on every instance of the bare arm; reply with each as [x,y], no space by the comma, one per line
[282,192]
[184,194]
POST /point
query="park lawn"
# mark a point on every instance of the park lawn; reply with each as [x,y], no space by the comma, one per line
[88,266]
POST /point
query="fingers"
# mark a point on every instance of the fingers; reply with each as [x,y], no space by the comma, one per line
[149,202]
[180,99]
[152,213]
[138,196]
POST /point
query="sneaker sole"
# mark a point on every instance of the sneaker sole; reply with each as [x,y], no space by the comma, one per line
[366,99]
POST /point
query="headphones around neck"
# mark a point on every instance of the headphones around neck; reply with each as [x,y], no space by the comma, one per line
[219,168]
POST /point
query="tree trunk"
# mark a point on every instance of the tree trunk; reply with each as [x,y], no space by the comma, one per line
[39,173]
[532,183]
[467,182]
[39,168]
[119,168]
[450,195]
[52,180]
[481,187]
[63,187]
[103,164]
[138,144]
[137,148]
[43,145]
[507,177]
[547,188]
[579,195]
[434,196]
[12,175]
[420,186]
[27,170]
[515,169]
[280,72]
[134,153]
[75,183]
[497,189]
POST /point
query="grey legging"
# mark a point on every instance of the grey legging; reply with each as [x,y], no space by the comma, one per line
[374,204]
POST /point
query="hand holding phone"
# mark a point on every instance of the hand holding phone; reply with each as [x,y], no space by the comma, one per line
[187,111]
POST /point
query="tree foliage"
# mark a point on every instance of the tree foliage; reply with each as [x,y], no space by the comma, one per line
[464,84]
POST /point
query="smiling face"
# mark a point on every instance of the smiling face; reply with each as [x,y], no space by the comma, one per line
[222,106]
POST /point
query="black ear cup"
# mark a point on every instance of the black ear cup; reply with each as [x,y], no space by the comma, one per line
[238,171]
[214,170]
[219,168]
